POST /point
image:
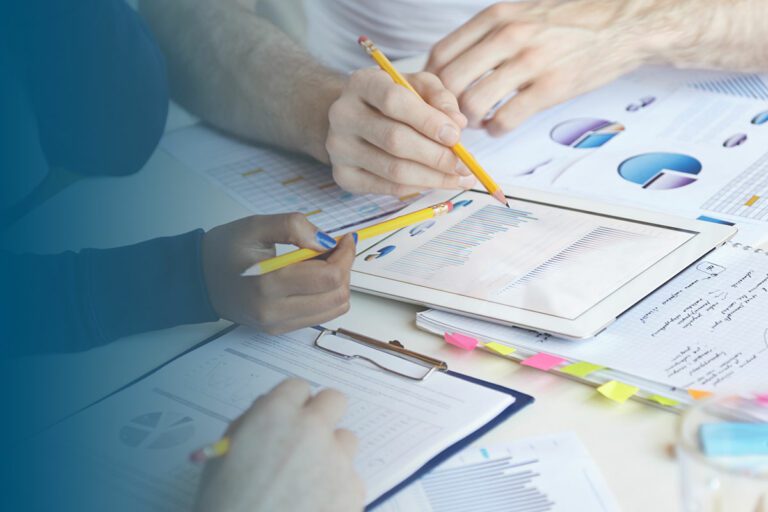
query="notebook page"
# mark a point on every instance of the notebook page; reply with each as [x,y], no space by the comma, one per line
[149,430]
[705,329]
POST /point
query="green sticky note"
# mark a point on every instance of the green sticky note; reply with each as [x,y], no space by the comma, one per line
[617,391]
[498,348]
[581,369]
[663,400]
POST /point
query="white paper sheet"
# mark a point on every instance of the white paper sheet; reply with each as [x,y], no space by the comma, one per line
[268,182]
[543,474]
[718,121]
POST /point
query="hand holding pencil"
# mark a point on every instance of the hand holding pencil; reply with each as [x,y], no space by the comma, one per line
[464,155]
[285,453]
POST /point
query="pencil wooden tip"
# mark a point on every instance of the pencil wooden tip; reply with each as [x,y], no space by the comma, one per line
[500,197]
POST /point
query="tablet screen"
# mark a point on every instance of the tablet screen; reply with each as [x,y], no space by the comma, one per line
[538,257]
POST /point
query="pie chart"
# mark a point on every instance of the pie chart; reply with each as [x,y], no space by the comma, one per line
[660,171]
[157,430]
[585,133]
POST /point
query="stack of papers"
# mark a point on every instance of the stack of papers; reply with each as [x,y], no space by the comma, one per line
[704,330]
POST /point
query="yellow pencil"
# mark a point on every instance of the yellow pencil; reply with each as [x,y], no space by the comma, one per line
[217,449]
[465,156]
[278,262]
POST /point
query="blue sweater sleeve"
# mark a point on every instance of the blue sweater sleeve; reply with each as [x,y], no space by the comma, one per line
[76,301]
[95,82]
[96,79]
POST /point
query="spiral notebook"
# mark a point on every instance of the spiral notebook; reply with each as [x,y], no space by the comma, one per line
[704,331]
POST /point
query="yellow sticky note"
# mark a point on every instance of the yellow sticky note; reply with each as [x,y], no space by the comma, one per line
[581,369]
[498,348]
[617,391]
[663,400]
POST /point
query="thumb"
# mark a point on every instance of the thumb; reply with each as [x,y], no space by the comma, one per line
[291,228]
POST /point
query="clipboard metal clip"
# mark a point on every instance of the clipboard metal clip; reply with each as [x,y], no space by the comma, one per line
[391,356]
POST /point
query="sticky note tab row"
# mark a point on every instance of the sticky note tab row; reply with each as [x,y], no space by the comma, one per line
[498,348]
[617,391]
[460,340]
[581,369]
[542,361]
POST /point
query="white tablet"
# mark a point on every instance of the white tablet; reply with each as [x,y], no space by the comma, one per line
[552,264]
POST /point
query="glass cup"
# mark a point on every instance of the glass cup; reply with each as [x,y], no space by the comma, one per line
[722,449]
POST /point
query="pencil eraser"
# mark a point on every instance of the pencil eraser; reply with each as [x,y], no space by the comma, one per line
[362,39]
[449,204]
[459,340]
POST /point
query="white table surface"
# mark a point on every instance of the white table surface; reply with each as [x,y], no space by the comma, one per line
[629,442]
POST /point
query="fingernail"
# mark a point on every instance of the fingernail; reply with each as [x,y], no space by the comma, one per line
[462,169]
[467,181]
[448,135]
[325,240]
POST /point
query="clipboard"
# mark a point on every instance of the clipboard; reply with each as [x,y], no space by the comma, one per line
[384,356]
[394,357]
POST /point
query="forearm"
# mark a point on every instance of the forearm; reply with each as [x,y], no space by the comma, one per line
[94,297]
[243,75]
[712,34]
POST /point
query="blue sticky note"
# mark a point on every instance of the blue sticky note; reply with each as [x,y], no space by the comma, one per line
[734,439]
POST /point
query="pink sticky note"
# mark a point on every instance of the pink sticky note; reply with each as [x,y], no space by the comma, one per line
[459,340]
[762,399]
[542,361]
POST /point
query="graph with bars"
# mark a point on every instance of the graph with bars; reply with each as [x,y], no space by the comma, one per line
[455,246]
[744,85]
[552,473]
[268,182]
[746,195]
[507,484]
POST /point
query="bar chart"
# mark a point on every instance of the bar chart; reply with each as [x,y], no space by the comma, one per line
[454,247]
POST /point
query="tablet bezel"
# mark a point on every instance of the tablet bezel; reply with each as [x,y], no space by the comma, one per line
[709,237]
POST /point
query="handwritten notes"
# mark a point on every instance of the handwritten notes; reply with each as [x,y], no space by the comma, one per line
[707,329]
[617,391]
[542,361]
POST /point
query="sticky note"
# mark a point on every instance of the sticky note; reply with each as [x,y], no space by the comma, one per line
[697,394]
[762,400]
[581,369]
[663,400]
[498,348]
[459,340]
[617,391]
[542,361]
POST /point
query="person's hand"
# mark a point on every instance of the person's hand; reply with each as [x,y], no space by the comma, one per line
[383,139]
[286,454]
[549,51]
[300,295]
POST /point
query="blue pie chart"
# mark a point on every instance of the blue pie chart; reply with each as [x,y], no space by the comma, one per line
[660,171]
